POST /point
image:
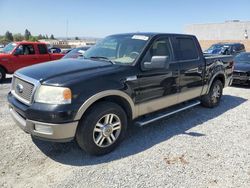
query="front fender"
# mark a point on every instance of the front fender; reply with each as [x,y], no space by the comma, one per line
[101,95]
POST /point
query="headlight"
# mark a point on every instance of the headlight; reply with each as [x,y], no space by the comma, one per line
[53,95]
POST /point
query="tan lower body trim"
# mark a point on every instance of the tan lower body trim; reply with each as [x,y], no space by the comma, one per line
[167,101]
[156,104]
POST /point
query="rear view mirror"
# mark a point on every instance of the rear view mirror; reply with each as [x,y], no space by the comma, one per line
[157,62]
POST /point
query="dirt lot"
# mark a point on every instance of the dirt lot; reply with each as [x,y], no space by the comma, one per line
[196,148]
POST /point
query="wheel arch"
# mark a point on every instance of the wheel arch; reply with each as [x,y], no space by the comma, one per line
[116,96]
[6,71]
[218,76]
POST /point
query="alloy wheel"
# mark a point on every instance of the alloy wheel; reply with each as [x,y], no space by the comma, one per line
[107,130]
[216,93]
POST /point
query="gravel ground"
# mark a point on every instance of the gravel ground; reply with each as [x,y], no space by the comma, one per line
[196,148]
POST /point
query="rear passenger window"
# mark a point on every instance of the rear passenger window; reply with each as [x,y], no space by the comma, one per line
[242,47]
[185,49]
[42,49]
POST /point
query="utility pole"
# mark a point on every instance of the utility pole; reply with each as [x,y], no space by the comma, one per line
[67,27]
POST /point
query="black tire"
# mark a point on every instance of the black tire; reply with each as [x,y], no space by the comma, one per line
[2,74]
[85,135]
[211,99]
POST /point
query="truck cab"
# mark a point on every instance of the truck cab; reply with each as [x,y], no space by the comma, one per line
[17,55]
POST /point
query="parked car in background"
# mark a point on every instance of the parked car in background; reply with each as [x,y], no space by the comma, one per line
[76,52]
[241,74]
[54,50]
[17,55]
[65,51]
[124,78]
[1,47]
[226,49]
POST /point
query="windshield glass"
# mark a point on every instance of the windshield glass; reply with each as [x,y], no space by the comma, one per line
[243,58]
[76,53]
[122,49]
[216,49]
[8,49]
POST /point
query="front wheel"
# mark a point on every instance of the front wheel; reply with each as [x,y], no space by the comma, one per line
[212,99]
[2,74]
[102,128]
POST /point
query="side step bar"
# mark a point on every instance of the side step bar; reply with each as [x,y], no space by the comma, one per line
[168,112]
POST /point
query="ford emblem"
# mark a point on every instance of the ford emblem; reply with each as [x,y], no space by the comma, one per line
[19,88]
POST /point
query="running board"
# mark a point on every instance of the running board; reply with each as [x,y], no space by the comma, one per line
[168,112]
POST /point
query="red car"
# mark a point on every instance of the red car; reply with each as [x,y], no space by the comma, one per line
[17,55]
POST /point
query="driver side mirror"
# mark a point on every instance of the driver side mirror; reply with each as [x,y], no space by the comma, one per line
[157,62]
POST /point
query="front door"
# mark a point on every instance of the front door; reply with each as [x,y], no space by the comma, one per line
[158,88]
[26,56]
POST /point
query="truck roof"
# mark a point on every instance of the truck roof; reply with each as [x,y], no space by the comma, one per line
[29,42]
[152,34]
[229,43]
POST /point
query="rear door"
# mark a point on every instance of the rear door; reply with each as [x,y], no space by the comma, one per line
[43,54]
[158,88]
[188,55]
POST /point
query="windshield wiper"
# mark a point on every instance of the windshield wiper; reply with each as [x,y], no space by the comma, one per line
[103,58]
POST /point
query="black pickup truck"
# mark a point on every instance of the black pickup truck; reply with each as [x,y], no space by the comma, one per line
[124,80]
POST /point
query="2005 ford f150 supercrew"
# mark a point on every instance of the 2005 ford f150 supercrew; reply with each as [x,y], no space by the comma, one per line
[124,79]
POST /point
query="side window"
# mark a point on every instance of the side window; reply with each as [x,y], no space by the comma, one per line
[238,47]
[242,47]
[235,48]
[42,49]
[185,49]
[25,49]
[160,47]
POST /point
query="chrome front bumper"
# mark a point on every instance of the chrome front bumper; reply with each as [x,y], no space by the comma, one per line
[45,131]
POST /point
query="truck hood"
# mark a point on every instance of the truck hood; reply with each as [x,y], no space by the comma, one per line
[63,69]
[242,67]
[4,56]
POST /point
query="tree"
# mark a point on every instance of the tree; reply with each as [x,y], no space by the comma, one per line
[40,37]
[33,39]
[27,34]
[46,37]
[9,36]
[76,38]
[18,37]
[52,37]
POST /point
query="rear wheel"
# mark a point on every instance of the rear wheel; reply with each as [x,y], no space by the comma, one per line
[212,99]
[2,74]
[102,128]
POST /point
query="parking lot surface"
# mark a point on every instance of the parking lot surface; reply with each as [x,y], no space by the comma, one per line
[197,148]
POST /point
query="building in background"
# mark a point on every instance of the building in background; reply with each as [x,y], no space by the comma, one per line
[68,43]
[229,30]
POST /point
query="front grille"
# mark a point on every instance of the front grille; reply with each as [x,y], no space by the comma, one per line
[22,89]
[239,74]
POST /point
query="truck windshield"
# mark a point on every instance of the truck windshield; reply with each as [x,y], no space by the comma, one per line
[9,48]
[216,49]
[121,49]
